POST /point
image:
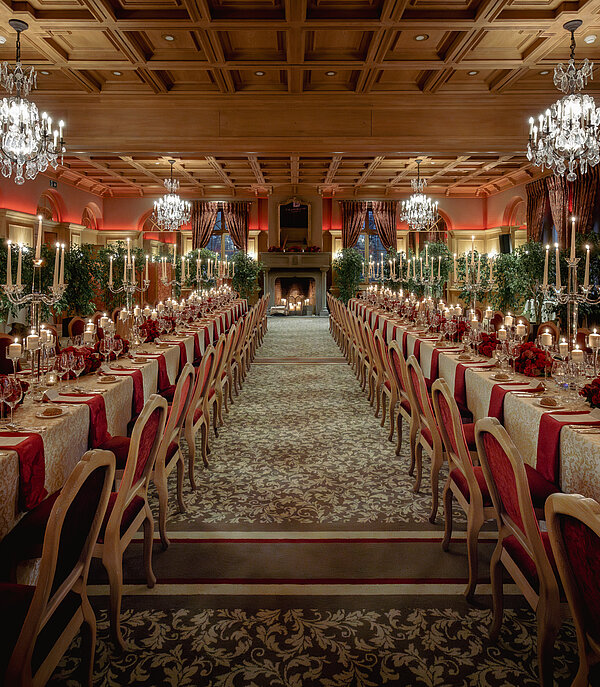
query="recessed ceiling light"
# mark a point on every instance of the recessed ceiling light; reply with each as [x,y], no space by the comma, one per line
[117,73]
[44,72]
[2,40]
[259,73]
[544,72]
[421,37]
[590,39]
[169,37]
[330,73]
[472,72]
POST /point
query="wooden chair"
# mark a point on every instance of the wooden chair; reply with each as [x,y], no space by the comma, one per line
[58,605]
[54,331]
[465,481]
[76,327]
[6,365]
[574,531]
[128,508]
[428,438]
[497,320]
[522,549]
[406,407]
[213,403]
[379,370]
[169,453]
[197,416]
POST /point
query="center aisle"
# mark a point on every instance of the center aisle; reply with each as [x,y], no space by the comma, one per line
[304,558]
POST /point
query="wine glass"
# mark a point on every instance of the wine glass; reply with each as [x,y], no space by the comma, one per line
[63,365]
[13,394]
[78,366]
[105,348]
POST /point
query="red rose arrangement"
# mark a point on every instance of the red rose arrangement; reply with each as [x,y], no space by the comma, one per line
[532,361]
[461,329]
[150,329]
[489,343]
[294,249]
[313,249]
[591,393]
[275,249]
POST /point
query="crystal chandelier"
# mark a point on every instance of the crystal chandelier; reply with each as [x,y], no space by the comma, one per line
[170,211]
[419,211]
[28,144]
[566,136]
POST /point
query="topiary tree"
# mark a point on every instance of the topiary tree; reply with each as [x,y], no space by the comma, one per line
[246,272]
[347,267]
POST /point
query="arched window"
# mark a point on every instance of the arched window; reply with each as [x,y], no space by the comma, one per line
[88,219]
[48,207]
[220,241]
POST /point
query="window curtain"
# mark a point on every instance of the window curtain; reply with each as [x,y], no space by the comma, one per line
[237,215]
[354,213]
[204,216]
[536,204]
[384,216]
[585,189]
[558,195]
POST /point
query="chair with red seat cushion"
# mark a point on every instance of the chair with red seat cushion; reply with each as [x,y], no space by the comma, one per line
[520,549]
[197,416]
[406,408]
[574,533]
[213,398]
[6,365]
[39,623]
[169,454]
[428,438]
[129,509]
[465,481]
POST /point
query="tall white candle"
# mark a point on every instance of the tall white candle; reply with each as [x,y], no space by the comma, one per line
[9,264]
[557,266]
[146,268]
[110,271]
[472,251]
[572,238]
[426,252]
[128,251]
[439,266]
[56,265]
[594,340]
[133,268]
[586,280]
[479,268]
[19,265]
[545,282]
[455,273]
[62,265]
[38,243]
[491,267]
[124,270]
[421,261]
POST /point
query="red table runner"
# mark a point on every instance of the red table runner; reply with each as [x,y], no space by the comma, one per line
[163,376]
[137,377]
[548,448]
[496,407]
[98,433]
[32,468]
[460,389]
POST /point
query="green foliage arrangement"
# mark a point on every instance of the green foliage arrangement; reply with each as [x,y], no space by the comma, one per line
[347,268]
[246,272]
[204,255]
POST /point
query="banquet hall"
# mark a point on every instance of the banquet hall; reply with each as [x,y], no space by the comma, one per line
[300,343]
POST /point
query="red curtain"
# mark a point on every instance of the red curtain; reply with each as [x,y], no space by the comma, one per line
[585,189]
[204,216]
[354,213]
[536,205]
[384,216]
[558,195]
[237,216]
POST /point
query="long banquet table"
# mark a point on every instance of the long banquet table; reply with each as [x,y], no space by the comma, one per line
[579,453]
[65,438]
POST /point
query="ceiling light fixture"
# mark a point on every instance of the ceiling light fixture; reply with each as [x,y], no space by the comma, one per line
[544,72]
[473,72]
[330,73]
[259,73]
[169,37]
[566,136]
[28,144]
[2,40]
[117,73]
[421,37]
[170,211]
[44,72]
[419,211]
[590,39]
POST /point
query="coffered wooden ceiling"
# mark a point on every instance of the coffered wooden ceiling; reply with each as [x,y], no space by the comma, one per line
[342,95]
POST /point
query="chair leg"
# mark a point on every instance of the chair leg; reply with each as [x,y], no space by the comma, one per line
[419,466]
[383,408]
[378,392]
[163,502]
[547,629]
[447,498]
[436,464]
[399,442]
[148,541]
[113,563]
[215,418]
[204,437]
[88,642]
[497,592]
[180,470]
[474,523]
[191,443]
[392,416]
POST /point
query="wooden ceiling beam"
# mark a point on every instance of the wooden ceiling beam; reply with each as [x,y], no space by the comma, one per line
[294,169]
[373,165]
[332,169]
[478,172]
[111,173]
[146,172]
[255,166]
[214,164]
[178,166]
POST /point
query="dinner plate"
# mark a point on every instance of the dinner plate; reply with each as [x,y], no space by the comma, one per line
[556,407]
[501,379]
[106,380]
[41,415]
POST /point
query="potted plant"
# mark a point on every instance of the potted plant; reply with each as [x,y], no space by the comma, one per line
[245,277]
[347,267]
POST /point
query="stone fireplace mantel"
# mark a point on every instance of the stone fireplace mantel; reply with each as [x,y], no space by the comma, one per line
[315,265]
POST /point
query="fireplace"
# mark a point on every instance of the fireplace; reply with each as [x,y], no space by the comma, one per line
[295,291]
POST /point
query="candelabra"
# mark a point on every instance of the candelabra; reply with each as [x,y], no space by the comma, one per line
[129,287]
[474,283]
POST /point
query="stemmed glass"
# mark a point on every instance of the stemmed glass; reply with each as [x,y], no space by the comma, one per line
[13,392]
[63,365]
[513,348]
[78,366]
[105,348]
[117,347]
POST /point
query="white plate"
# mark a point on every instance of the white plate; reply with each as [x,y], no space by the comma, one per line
[41,415]
[504,379]
[104,380]
[557,407]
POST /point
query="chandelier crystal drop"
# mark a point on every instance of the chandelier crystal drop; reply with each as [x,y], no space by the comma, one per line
[28,144]
[566,136]
[419,211]
[170,211]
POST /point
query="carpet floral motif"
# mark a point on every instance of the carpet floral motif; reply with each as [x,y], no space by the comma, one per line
[316,648]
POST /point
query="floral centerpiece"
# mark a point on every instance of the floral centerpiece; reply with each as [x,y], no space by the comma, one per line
[150,329]
[489,343]
[275,249]
[532,361]
[90,356]
[313,249]
[591,393]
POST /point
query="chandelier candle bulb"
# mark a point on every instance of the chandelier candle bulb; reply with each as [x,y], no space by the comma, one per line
[594,340]
[38,243]
[15,350]
[502,334]
[558,286]
[545,282]
[586,279]
[576,355]
[19,265]
[546,338]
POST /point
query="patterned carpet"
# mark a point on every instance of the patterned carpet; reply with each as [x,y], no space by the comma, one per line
[304,558]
